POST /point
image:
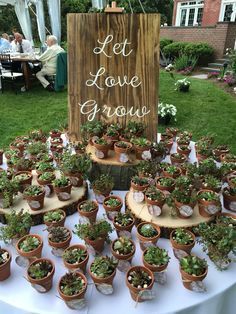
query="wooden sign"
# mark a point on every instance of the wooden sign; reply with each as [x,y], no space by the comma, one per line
[113,69]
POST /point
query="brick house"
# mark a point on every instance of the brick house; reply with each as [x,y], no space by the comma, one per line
[212,21]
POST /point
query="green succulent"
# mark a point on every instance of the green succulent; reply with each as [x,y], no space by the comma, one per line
[148,231]
[103,266]
[156,256]
[193,265]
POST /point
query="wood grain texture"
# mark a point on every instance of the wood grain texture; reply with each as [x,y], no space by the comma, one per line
[142,31]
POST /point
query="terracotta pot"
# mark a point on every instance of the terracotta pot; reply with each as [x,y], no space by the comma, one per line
[177,161]
[35,202]
[178,205]
[111,139]
[24,183]
[112,210]
[61,190]
[60,245]
[56,140]
[143,241]
[229,201]
[5,269]
[97,244]
[202,205]
[188,279]
[92,215]
[183,151]
[77,296]
[184,247]
[168,145]
[76,178]
[45,182]
[20,147]
[81,265]
[107,280]
[140,149]
[153,268]
[120,150]
[175,175]
[218,152]
[45,282]
[164,188]
[230,177]
[55,134]
[135,292]
[101,148]
[122,138]
[123,228]
[34,253]
[140,188]
[126,257]
[159,203]
[57,223]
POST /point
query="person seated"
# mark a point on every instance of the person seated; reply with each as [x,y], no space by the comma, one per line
[49,62]
[21,45]
[4,45]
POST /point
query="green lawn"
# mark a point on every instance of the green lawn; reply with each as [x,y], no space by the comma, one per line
[205,109]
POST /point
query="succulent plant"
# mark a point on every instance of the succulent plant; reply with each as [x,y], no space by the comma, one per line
[182,236]
[139,278]
[74,255]
[123,246]
[58,234]
[100,229]
[148,231]
[40,270]
[103,266]
[53,216]
[72,284]
[193,265]
[29,244]
[156,256]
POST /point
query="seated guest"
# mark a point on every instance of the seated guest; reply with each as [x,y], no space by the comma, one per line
[21,45]
[49,62]
[4,45]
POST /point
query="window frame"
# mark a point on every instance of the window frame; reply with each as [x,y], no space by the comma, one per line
[186,5]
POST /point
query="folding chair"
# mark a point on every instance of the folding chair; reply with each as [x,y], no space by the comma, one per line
[6,72]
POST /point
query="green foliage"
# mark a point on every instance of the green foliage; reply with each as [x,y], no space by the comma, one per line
[148,231]
[101,141]
[99,229]
[74,255]
[135,128]
[183,196]
[139,180]
[183,61]
[29,244]
[43,166]
[183,183]
[40,269]
[61,182]
[123,219]
[92,128]
[35,148]
[154,194]
[87,206]
[103,184]
[103,266]
[175,49]
[33,190]
[113,202]
[165,42]
[182,236]
[156,256]
[74,163]
[123,246]
[53,216]
[146,167]
[171,169]
[193,265]
[208,167]
[139,278]
[8,188]
[211,182]
[72,284]
[58,234]
[208,196]
[47,176]
[140,141]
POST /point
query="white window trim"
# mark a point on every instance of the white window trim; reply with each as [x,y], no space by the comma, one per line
[222,9]
[188,7]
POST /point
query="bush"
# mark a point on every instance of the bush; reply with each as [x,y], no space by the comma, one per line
[199,50]
[165,42]
[182,62]
[175,49]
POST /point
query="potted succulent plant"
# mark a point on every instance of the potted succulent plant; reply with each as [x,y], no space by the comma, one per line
[22,164]
[94,235]
[5,264]
[76,257]
[62,186]
[112,205]
[91,129]
[203,150]
[123,222]
[228,157]
[88,209]
[30,246]
[192,269]
[139,183]
[219,150]
[45,157]
[34,194]
[102,147]
[229,198]
[184,201]
[165,183]
[211,183]
[171,171]
[111,136]
[59,237]
[208,203]
[103,270]
[40,274]
[54,218]
[8,188]
[226,169]
[72,287]
[56,140]
[231,179]
[177,158]
[43,166]
[182,239]
[184,150]
[102,187]
[35,148]
[159,151]
[45,179]
[37,136]
[153,196]
[147,234]
[139,279]
[18,225]
[135,128]
[155,259]
[122,150]
[147,169]
[209,167]
[123,249]
[218,241]
[24,178]
[80,147]
[142,148]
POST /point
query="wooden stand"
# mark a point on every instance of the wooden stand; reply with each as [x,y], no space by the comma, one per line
[165,220]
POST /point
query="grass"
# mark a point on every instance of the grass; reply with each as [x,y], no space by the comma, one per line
[206,109]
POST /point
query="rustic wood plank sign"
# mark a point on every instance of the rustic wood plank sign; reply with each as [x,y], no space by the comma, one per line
[113,69]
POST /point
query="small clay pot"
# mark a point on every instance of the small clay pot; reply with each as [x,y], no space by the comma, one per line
[107,280]
[139,188]
[61,190]
[178,161]
[35,202]
[24,183]
[120,150]
[60,245]
[34,253]
[92,215]
[175,175]
[135,292]
[97,244]
[112,210]
[229,201]
[76,178]
[77,296]
[159,203]
[80,265]
[45,282]
[126,257]
[184,247]
[120,228]
[59,223]
[143,240]
[178,206]
[102,150]
[188,279]
[164,188]
[140,149]
[202,204]
[5,269]
[183,151]
[153,268]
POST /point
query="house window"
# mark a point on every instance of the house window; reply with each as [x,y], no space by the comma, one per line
[189,13]
[228,11]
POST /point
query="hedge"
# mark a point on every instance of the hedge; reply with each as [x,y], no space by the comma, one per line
[165,42]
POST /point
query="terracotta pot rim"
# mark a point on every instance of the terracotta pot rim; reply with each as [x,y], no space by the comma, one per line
[27,236]
[124,255]
[158,229]
[42,279]
[133,268]
[64,242]
[184,245]
[72,297]
[77,246]
[8,260]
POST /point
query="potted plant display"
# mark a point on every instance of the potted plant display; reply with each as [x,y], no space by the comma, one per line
[153,196]
[134,128]
[37,136]
[209,167]
[139,183]
[165,183]
[171,171]
[182,239]
[45,157]
[103,270]
[112,205]
[123,249]
[177,158]
[229,198]
[208,203]
[8,188]
[94,235]
[123,222]
[54,218]
[30,246]
[89,210]
[211,183]
[62,186]
[34,194]
[111,136]
[35,148]
[184,201]
[80,147]
[122,150]
[184,150]
[24,178]
[22,164]
[102,187]
[45,179]
[219,150]
[159,151]
[182,85]
[43,166]
[147,234]
[192,269]
[203,150]
[59,237]
[142,148]
[226,169]
[218,241]
[155,259]
[40,274]
[91,129]
[147,169]
[56,140]
[139,279]
[102,147]
[18,225]
[72,287]
[76,257]
[5,264]
[166,112]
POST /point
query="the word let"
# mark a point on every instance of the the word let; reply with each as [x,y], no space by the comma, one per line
[118,48]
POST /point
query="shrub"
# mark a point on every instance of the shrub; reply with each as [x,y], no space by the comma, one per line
[165,42]
[175,49]
[198,50]
[183,62]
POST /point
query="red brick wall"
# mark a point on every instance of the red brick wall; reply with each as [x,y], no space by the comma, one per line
[211,12]
[220,36]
